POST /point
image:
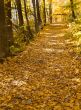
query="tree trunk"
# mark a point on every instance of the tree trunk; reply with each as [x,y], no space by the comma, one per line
[8,21]
[50,11]
[35,17]
[27,20]
[19,8]
[3,38]
[44,12]
[72,9]
[38,12]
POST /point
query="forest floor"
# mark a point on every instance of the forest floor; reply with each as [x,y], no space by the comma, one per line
[46,76]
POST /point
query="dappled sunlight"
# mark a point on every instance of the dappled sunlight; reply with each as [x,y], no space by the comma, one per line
[60,34]
[46,33]
[69,41]
[51,50]
[18,83]
[78,80]
[51,36]
[47,29]
[55,43]
[58,24]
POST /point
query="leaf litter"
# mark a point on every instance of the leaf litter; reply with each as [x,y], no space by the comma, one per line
[44,76]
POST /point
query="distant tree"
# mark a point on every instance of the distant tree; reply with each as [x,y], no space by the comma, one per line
[3,37]
[72,9]
[19,8]
[44,12]
[50,11]
[27,20]
[38,13]
[35,16]
[9,21]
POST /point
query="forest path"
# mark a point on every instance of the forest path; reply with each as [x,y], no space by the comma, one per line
[46,76]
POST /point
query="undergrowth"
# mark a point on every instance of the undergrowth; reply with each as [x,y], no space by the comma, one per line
[74,34]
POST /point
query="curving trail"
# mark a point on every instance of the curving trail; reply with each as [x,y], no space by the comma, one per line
[46,76]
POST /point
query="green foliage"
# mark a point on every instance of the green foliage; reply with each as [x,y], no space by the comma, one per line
[74,27]
[19,41]
[75,30]
[14,49]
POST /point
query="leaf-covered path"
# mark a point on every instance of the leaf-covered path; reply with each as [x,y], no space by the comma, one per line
[46,76]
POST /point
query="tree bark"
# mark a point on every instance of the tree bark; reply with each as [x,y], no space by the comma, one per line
[72,9]
[8,21]
[50,11]
[3,37]
[44,12]
[35,17]
[38,12]
[19,8]
[27,20]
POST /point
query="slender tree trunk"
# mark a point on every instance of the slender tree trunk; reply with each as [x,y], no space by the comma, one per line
[35,17]
[8,21]
[50,11]
[38,12]
[19,8]
[3,38]
[44,12]
[27,20]
[72,9]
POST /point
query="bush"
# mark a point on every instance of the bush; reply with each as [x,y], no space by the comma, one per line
[75,30]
